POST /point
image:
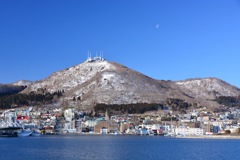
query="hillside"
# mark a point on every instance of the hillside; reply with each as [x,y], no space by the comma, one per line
[206,91]
[100,81]
[97,81]
[208,88]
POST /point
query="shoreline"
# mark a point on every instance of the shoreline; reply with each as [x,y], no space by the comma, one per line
[182,137]
[211,137]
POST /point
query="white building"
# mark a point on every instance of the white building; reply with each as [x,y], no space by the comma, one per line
[91,123]
[188,131]
[10,117]
[69,125]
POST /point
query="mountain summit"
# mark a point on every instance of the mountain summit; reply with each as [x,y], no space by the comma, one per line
[99,81]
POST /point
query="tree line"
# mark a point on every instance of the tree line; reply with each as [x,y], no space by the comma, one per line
[127,108]
[174,104]
[179,104]
[229,101]
[21,99]
[9,90]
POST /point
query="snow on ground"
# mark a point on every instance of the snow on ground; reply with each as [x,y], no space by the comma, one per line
[73,76]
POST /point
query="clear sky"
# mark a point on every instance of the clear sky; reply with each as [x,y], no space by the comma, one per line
[164,39]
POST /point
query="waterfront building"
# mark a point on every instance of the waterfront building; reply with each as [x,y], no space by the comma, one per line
[142,131]
[70,121]
[127,127]
[108,126]
[186,131]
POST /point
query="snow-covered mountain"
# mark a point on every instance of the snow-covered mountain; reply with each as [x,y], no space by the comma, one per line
[99,81]
[204,91]
[208,88]
[22,83]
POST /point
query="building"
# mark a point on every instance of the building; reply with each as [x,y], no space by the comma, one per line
[106,126]
[69,125]
[127,127]
[186,131]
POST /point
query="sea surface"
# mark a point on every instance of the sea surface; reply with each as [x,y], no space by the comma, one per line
[110,147]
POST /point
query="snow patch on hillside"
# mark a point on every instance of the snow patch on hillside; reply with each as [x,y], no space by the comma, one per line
[22,83]
[73,76]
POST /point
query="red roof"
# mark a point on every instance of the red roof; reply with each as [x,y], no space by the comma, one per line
[22,117]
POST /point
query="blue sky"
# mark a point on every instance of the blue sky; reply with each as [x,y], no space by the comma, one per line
[164,39]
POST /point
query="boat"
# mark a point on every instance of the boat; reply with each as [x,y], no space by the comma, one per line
[24,133]
[9,131]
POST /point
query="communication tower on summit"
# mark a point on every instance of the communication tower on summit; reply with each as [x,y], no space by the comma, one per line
[96,58]
[89,59]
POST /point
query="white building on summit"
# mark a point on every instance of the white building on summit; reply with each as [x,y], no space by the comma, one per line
[96,58]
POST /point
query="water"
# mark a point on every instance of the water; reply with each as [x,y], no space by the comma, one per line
[116,148]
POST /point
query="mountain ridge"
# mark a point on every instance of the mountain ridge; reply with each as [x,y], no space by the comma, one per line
[97,81]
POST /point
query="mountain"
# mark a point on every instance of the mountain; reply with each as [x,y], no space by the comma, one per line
[22,83]
[99,81]
[205,91]
[208,88]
